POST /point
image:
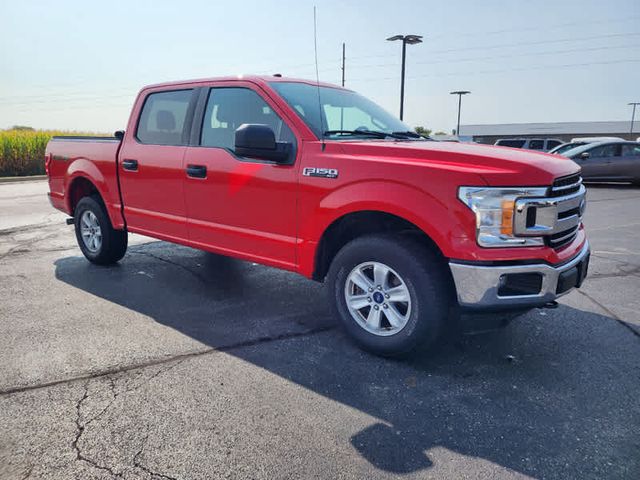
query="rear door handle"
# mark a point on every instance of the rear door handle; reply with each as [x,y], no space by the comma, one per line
[131,165]
[197,171]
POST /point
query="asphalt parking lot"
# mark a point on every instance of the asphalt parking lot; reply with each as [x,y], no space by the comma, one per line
[179,364]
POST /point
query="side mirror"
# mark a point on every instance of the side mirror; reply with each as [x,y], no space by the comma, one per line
[584,155]
[258,141]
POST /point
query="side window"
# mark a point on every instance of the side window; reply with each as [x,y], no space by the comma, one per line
[162,120]
[536,144]
[511,143]
[604,151]
[229,107]
[630,150]
[552,144]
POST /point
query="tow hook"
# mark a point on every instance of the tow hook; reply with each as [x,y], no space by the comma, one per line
[70,221]
[552,304]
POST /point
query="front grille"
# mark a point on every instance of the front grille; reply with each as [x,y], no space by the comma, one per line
[566,185]
[560,239]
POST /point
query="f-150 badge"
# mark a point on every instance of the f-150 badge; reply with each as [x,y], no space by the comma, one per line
[320,172]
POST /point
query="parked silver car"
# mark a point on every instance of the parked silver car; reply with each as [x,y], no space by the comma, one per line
[608,161]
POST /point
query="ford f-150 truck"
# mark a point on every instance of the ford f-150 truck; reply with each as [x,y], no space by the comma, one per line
[317,179]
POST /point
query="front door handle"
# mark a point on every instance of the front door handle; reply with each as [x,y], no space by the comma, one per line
[131,165]
[197,171]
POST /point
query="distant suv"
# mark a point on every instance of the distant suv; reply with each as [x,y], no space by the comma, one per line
[541,144]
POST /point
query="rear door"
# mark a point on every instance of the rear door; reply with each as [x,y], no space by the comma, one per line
[151,165]
[240,206]
[626,166]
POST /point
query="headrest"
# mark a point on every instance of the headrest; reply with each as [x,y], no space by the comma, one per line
[165,120]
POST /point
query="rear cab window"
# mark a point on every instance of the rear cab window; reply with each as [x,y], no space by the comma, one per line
[163,119]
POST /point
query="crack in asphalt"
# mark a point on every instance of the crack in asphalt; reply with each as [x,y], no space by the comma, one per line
[138,464]
[80,426]
[610,313]
[174,358]
[621,273]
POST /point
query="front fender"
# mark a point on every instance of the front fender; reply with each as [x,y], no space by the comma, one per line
[426,211]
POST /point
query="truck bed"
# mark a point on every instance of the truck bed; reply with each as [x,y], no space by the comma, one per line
[68,155]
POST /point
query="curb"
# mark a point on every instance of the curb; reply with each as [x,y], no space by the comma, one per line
[22,179]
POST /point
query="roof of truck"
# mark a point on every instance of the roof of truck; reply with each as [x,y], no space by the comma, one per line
[259,79]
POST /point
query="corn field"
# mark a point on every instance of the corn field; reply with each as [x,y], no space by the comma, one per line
[22,151]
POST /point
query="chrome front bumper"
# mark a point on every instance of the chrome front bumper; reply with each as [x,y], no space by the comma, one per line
[478,287]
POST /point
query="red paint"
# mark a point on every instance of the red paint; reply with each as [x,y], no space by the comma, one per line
[274,215]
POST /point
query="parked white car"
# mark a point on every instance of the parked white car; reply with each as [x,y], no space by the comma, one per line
[540,144]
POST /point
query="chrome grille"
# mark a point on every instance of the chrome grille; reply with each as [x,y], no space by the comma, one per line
[557,217]
[566,185]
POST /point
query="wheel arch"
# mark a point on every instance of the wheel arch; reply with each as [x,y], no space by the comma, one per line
[359,223]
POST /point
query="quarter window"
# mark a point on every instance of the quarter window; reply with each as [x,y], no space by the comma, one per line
[229,107]
[536,144]
[163,117]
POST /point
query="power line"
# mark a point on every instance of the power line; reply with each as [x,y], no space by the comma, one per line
[484,72]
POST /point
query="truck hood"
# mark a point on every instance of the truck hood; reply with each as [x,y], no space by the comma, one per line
[498,166]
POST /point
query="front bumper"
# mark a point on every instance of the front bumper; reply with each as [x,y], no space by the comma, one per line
[486,287]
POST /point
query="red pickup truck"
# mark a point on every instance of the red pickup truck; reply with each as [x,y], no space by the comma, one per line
[313,178]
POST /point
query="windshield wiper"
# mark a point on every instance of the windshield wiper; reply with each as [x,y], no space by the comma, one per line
[375,133]
[371,133]
[410,134]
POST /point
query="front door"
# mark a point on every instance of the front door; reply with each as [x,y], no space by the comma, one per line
[596,165]
[239,206]
[151,166]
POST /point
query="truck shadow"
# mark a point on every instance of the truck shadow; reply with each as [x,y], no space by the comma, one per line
[544,398]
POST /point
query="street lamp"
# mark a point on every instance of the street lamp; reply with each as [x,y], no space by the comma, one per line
[633,115]
[406,39]
[460,93]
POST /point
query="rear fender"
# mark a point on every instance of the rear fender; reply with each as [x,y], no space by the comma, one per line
[84,168]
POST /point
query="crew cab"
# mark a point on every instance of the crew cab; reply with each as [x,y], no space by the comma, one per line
[317,179]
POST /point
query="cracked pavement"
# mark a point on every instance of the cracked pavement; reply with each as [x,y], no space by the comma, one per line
[178,364]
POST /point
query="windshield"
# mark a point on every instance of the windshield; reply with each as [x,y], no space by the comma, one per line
[345,114]
[567,146]
[578,150]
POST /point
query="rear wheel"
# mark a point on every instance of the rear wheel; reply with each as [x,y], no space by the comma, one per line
[99,241]
[391,293]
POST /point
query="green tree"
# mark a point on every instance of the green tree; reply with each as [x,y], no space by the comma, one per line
[22,128]
[425,132]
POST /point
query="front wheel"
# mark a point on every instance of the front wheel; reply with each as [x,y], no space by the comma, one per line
[391,293]
[99,241]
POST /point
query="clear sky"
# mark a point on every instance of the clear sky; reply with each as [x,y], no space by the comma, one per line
[78,64]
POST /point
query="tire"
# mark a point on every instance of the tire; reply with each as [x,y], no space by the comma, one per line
[418,323]
[101,244]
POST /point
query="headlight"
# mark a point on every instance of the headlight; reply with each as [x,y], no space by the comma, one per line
[494,209]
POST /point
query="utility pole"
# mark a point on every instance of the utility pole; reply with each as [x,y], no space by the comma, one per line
[343,58]
[460,93]
[411,40]
[633,115]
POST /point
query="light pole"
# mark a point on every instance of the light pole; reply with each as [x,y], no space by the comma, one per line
[633,115]
[460,93]
[406,39]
